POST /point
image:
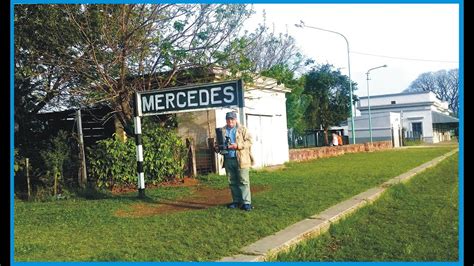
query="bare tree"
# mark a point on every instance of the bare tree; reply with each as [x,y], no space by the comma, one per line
[260,50]
[443,83]
[268,49]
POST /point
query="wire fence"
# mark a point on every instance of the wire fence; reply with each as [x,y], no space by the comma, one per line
[314,138]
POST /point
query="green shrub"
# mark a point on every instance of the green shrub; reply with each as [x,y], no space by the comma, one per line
[54,158]
[18,162]
[113,162]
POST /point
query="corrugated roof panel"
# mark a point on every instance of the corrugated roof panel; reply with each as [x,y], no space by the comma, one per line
[439,118]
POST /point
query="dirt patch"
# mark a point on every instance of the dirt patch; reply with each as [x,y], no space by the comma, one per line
[201,198]
[184,182]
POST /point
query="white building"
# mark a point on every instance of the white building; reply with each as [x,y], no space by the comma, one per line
[264,115]
[385,127]
[423,116]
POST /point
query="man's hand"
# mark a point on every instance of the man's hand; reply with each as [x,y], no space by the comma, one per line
[232,146]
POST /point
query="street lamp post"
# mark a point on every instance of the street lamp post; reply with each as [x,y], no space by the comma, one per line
[368,100]
[302,25]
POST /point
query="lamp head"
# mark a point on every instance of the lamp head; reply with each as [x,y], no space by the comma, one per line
[301,25]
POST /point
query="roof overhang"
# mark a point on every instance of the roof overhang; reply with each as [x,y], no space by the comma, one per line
[439,118]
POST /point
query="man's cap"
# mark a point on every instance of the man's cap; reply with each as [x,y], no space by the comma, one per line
[231,115]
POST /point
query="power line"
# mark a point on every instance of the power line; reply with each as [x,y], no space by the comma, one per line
[406,58]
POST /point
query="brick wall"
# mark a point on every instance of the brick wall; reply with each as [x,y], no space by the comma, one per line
[297,155]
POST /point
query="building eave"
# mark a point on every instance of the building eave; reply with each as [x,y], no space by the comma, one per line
[393,106]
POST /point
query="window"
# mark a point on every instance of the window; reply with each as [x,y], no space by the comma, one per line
[393,102]
[417,130]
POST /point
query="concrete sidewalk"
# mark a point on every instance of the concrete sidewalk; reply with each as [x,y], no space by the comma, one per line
[317,224]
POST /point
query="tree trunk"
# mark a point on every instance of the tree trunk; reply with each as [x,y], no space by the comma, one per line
[326,141]
[55,182]
[124,112]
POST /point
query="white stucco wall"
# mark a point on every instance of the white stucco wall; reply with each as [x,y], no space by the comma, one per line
[424,117]
[266,114]
[399,98]
[381,127]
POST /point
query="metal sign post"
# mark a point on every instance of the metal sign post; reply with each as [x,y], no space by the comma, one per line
[182,99]
[83,176]
[138,143]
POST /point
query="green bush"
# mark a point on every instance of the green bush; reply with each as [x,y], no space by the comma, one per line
[54,158]
[17,162]
[49,161]
[164,154]
[113,162]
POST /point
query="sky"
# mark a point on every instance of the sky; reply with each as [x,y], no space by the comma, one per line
[410,39]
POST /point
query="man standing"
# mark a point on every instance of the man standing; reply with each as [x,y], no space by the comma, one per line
[237,162]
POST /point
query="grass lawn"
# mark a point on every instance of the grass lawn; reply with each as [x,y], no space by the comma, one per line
[416,221]
[89,230]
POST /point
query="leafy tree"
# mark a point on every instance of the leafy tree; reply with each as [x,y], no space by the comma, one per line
[330,98]
[154,42]
[42,75]
[105,53]
[443,83]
